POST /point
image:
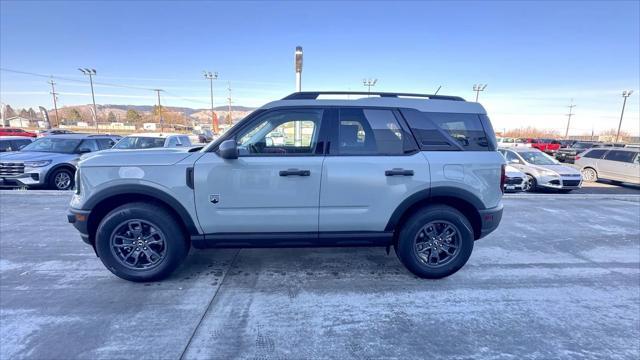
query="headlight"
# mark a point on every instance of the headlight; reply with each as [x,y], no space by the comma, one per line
[39,163]
[548,173]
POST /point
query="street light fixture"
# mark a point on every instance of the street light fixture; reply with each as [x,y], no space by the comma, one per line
[212,76]
[369,83]
[625,95]
[91,73]
[477,88]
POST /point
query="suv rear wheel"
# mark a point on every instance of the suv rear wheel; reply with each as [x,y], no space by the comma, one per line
[435,242]
[589,174]
[140,242]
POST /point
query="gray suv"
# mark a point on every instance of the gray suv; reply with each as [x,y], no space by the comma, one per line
[50,161]
[417,172]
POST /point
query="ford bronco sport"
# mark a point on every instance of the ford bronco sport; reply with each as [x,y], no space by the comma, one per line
[417,172]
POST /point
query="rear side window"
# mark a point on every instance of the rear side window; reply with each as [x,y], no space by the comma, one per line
[621,156]
[105,143]
[595,154]
[449,131]
[370,132]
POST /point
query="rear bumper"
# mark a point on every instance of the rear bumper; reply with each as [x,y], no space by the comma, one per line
[490,219]
[78,218]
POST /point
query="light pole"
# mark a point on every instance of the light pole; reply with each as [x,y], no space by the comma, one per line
[625,95]
[212,76]
[477,88]
[91,73]
[569,115]
[298,67]
[369,83]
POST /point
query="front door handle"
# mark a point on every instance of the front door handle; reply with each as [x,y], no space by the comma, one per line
[295,172]
[398,172]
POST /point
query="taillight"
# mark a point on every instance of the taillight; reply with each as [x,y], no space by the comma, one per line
[503,177]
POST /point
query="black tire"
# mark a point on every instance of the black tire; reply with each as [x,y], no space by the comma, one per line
[174,249]
[61,179]
[407,244]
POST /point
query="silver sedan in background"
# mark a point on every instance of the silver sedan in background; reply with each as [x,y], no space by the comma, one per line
[542,171]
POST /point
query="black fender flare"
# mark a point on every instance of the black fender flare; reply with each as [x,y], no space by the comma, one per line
[138,189]
[431,193]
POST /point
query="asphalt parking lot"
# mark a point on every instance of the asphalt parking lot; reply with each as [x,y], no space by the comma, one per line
[559,279]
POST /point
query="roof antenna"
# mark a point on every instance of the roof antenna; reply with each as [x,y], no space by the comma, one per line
[439,87]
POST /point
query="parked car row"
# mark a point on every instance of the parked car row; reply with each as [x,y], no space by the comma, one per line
[569,154]
[51,161]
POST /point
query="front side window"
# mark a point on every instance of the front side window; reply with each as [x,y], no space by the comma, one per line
[621,156]
[510,156]
[281,132]
[370,132]
[89,144]
[595,154]
[105,143]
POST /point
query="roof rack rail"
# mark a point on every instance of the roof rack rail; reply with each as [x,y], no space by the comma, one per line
[312,95]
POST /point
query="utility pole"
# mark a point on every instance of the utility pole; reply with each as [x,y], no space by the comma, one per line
[625,95]
[477,88]
[212,76]
[91,73]
[569,115]
[229,98]
[298,67]
[161,120]
[369,83]
[55,103]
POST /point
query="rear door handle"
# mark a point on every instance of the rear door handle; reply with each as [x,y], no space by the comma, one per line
[295,172]
[398,172]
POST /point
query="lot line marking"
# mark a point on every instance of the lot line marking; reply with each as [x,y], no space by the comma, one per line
[204,313]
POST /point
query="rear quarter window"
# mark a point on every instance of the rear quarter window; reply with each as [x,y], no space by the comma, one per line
[451,131]
[621,156]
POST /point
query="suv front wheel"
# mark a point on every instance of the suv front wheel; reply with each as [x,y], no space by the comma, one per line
[140,242]
[435,242]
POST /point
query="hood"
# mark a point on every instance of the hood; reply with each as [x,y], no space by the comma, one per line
[512,172]
[147,157]
[36,155]
[560,169]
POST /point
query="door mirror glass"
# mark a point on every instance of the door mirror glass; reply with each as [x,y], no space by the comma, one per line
[228,149]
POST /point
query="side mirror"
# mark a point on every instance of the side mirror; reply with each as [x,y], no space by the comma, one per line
[228,149]
[84,150]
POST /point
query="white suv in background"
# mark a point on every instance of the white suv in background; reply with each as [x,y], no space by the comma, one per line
[417,172]
[152,140]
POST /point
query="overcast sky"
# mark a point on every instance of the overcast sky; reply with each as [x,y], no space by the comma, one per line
[535,56]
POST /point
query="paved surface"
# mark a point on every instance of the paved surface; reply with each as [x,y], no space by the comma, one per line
[559,279]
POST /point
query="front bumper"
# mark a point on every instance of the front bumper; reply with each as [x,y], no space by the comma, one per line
[31,177]
[490,219]
[79,219]
[561,183]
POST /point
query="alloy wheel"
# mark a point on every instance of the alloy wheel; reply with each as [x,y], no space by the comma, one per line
[138,244]
[62,180]
[437,243]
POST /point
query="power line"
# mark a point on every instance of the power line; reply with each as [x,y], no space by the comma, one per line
[76,80]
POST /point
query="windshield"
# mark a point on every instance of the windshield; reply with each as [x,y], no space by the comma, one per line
[537,158]
[56,145]
[139,142]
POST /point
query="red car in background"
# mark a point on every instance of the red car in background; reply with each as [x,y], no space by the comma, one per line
[549,146]
[16,132]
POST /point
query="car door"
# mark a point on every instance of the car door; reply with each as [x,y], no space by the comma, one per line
[373,165]
[618,165]
[269,188]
